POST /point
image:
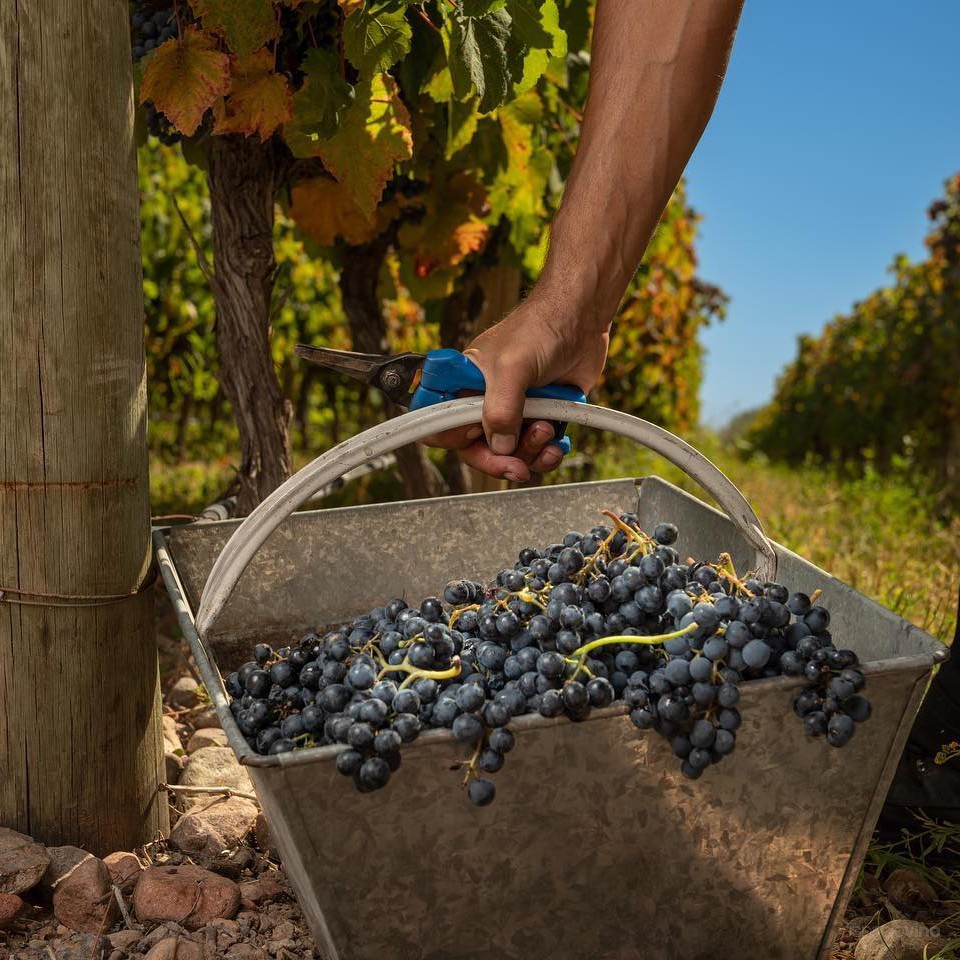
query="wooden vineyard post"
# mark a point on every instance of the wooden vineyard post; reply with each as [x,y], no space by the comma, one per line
[80,737]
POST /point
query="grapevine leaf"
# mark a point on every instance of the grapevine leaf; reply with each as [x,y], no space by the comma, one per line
[260,100]
[325,211]
[541,32]
[376,38]
[480,8]
[318,104]
[373,135]
[529,25]
[451,229]
[185,77]
[575,20]
[350,6]
[479,58]
[440,86]
[462,121]
[246,25]
[519,187]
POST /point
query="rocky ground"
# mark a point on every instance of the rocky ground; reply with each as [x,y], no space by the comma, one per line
[214,888]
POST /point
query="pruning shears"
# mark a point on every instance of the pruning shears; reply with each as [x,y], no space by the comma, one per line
[417,380]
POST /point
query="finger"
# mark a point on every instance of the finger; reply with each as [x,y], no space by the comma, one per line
[455,439]
[479,456]
[502,403]
[549,459]
[533,440]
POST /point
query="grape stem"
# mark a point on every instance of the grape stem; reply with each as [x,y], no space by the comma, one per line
[579,655]
[460,611]
[415,673]
[628,531]
[471,764]
[726,571]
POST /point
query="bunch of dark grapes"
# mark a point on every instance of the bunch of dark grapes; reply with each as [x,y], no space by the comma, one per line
[153,22]
[150,25]
[601,618]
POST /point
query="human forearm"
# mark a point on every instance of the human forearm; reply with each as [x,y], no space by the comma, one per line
[656,70]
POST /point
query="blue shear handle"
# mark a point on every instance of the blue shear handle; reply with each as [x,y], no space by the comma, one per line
[448,372]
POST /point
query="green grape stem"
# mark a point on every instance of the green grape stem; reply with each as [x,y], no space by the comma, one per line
[579,656]
[415,673]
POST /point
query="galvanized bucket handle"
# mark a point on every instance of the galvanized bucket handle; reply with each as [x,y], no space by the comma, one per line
[416,425]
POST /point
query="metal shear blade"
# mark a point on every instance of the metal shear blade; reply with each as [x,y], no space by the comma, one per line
[396,376]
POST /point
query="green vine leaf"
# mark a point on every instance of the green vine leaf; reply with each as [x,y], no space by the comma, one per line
[539,28]
[462,119]
[529,25]
[480,8]
[479,60]
[376,37]
[318,104]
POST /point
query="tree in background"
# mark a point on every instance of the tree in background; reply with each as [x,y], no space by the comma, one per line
[883,380]
[420,149]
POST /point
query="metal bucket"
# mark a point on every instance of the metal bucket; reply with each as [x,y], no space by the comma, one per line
[596,848]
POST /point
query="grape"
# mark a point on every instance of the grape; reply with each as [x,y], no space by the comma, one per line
[490,761]
[815,723]
[665,533]
[839,730]
[349,762]
[468,728]
[387,742]
[407,725]
[374,773]
[481,792]
[375,683]
[724,742]
[756,654]
[501,740]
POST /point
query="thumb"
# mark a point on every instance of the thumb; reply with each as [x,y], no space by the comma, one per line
[502,402]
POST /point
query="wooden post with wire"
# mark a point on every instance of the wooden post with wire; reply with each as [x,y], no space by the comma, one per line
[80,735]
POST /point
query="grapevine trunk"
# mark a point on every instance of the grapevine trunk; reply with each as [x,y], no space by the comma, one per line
[244,176]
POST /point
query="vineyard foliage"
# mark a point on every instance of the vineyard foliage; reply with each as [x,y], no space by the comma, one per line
[882,382]
[443,130]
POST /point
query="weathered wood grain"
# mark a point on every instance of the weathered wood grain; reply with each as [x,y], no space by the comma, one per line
[80,741]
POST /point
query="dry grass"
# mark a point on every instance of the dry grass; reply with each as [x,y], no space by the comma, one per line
[879,534]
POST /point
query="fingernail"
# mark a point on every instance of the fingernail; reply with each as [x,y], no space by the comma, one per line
[502,443]
[474,433]
[509,475]
[551,457]
[541,434]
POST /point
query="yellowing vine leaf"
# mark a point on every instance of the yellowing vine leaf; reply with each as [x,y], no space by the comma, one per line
[260,100]
[185,77]
[517,191]
[373,135]
[451,229]
[350,6]
[246,25]
[324,210]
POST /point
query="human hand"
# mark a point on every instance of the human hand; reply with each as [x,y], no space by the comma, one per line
[539,343]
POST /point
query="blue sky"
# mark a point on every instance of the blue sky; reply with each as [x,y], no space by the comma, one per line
[836,126]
